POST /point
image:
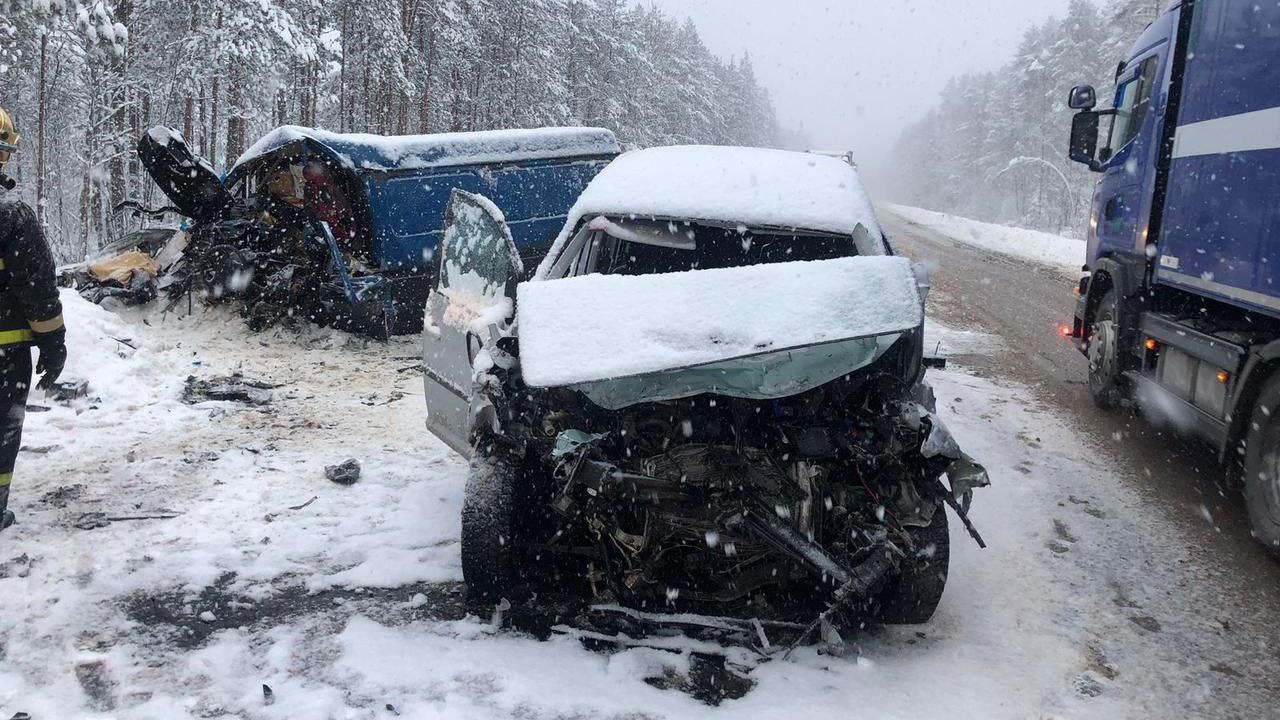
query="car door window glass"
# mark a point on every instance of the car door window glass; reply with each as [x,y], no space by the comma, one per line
[478,258]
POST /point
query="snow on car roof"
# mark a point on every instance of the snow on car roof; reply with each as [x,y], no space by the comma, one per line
[751,186]
[756,187]
[410,152]
[604,327]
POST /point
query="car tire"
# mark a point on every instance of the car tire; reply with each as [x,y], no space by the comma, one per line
[1106,381]
[1262,466]
[913,596]
[490,563]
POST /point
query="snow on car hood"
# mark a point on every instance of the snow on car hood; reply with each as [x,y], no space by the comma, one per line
[606,327]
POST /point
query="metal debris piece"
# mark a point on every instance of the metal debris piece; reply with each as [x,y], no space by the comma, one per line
[305,504]
[65,391]
[345,473]
[832,642]
[95,520]
[270,517]
[95,679]
[234,388]
[16,567]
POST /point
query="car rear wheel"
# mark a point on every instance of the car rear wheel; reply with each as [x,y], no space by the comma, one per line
[1262,467]
[913,596]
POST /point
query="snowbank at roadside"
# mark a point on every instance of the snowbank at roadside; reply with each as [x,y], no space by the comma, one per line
[107,351]
[1060,253]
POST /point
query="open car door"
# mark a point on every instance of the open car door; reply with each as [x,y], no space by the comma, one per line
[477,269]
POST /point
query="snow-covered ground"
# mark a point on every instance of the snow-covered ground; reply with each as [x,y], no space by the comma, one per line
[345,600]
[1061,253]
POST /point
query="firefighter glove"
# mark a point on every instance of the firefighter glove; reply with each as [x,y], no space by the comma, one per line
[53,356]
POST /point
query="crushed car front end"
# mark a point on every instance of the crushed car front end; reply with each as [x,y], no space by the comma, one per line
[773,508]
[708,402]
[810,481]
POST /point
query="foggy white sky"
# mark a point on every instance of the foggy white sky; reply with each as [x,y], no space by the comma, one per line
[852,72]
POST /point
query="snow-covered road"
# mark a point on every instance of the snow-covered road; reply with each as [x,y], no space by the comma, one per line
[349,605]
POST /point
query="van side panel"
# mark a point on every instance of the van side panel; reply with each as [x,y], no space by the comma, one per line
[409,207]
[1220,235]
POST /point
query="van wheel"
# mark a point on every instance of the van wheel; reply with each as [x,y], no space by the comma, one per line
[1262,467]
[913,596]
[1106,384]
[490,562]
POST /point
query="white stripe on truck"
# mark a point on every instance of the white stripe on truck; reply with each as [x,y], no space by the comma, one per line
[1207,285]
[1258,130]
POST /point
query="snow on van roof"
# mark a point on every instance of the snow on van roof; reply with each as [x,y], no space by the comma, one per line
[750,186]
[410,152]
[603,327]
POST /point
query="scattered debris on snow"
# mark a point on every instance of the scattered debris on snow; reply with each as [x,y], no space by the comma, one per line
[344,473]
[234,388]
[356,604]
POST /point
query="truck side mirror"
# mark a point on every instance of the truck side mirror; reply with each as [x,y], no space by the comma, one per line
[1083,97]
[1084,139]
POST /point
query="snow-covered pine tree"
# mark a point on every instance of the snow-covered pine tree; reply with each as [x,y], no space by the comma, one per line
[84,78]
[994,147]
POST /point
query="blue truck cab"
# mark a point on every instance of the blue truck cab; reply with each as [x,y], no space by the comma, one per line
[1179,306]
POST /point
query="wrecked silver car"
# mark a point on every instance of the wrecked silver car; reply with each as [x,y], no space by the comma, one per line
[709,399]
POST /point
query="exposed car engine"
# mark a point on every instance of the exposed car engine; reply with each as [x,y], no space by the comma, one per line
[778,509]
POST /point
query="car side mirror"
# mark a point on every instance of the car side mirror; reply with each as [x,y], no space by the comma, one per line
[1084,139]
[921,271]
[1083,97]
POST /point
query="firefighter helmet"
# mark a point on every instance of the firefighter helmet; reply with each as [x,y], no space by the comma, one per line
[8,137]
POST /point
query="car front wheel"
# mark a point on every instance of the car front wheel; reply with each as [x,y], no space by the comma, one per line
[912,597]
[490,551]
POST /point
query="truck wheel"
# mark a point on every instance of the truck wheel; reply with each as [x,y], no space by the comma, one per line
[1262,467]
[490,565]
[1106,384]
[911,598]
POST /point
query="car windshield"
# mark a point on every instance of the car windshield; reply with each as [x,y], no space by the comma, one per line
[680,246]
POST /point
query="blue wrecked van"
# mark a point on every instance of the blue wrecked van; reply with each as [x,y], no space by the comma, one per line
[342,228]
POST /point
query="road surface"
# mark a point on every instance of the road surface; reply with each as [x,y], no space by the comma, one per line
[1224,570]
[1116,582]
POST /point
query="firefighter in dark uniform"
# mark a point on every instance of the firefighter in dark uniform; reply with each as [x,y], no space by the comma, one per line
[30,314]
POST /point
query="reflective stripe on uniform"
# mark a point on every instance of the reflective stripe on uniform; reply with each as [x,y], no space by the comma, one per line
[13,337]
[1,264]
[5,478]
[46,326]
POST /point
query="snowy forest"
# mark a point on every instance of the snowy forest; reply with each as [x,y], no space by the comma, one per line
[995,147]
[84,78]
